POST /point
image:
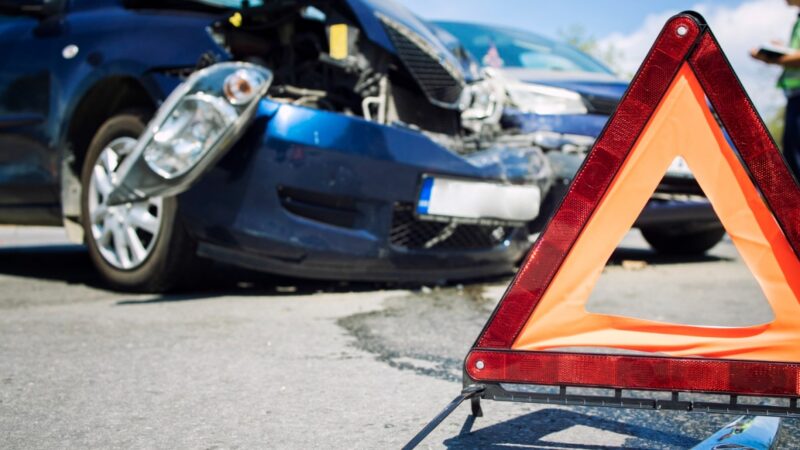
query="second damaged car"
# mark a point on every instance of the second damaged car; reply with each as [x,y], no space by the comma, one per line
[562,98]
[338,139]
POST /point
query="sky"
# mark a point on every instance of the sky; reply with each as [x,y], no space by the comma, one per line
[631,26]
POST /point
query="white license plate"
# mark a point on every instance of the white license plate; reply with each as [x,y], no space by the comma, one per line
[476,200]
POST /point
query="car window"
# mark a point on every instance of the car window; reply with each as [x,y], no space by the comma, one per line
[504,47]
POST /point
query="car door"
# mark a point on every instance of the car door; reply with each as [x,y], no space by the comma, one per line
[29,48]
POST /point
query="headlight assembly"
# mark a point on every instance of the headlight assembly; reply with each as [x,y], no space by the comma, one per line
[194,127]
[539,99]
[241,86]
[482,104]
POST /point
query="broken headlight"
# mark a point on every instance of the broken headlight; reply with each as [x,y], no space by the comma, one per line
[194,127]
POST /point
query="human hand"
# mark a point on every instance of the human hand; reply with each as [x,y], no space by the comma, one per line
[756,54]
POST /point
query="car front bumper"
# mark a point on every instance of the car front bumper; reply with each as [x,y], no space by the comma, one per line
[316,194]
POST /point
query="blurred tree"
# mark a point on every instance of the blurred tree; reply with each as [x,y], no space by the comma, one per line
[577,36]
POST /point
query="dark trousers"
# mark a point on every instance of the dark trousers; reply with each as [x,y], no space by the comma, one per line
[791,135]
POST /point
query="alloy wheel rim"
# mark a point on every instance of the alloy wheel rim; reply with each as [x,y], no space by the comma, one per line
[126,234]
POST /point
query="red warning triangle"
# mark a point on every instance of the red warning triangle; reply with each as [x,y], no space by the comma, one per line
[664,114]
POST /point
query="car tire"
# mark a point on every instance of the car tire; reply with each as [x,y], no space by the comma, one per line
[115,236]
[689,243]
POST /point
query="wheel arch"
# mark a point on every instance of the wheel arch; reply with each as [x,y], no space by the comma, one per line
[104,99]
[107,97]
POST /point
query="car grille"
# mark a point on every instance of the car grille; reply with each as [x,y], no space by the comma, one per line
[601,105]
[440,81]
[415,234]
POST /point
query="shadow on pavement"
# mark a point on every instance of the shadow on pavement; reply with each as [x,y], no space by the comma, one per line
[528,431]
[268,286]
[71,264]
[231,281]
[67,263]
[653,258]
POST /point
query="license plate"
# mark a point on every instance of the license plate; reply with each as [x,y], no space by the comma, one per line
[475,200]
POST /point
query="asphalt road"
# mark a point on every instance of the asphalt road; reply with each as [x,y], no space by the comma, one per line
[249,361]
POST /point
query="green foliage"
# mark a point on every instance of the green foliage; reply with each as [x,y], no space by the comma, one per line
[576,36]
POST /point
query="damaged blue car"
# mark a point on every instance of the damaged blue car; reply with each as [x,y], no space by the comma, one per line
[340,139]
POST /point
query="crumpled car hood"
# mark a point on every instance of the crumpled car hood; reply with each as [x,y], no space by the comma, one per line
[367,13]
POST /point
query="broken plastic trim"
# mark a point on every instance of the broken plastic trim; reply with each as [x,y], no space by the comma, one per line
[137,180]
[743,433]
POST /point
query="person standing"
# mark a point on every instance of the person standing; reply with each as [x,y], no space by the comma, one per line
[790,83]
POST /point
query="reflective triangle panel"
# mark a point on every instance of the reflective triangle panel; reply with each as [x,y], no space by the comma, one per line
[664,114]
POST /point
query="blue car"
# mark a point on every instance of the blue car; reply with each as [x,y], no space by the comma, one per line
[562,98]
[339,139]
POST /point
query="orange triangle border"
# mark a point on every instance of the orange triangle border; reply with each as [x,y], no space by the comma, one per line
[685,41]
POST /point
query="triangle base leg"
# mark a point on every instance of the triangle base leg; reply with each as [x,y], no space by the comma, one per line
[472,392]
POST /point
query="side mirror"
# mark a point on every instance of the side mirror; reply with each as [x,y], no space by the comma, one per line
[36,8]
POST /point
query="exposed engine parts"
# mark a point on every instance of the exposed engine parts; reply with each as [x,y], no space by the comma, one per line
[321,59]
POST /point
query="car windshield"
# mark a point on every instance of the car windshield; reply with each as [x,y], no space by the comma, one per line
[505,47]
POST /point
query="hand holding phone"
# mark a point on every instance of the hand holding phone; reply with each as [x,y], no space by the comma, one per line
[773,52]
